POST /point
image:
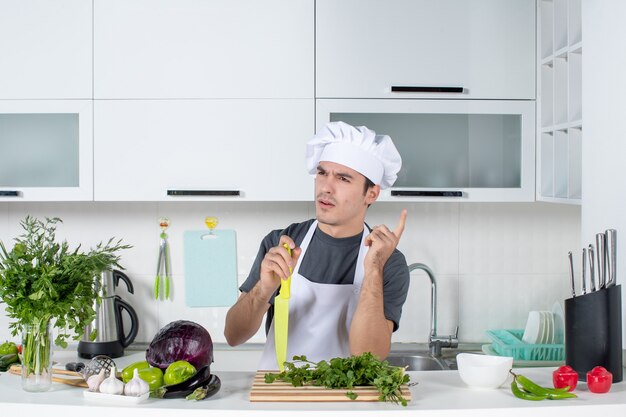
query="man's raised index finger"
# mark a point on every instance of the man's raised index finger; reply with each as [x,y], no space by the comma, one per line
[401,223]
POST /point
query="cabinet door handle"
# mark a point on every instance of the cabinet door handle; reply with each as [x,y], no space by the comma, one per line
[203,193]
[411,193]
[10,193]
[424,89]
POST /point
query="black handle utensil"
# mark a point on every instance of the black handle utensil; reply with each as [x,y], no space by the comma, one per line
[571,273]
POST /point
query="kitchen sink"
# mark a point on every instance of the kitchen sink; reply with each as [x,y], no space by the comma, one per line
[424,361]
[417,362]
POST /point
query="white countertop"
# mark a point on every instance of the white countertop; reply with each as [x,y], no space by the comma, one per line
[438,393]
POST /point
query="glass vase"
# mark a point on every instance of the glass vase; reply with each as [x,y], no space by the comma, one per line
[36,357]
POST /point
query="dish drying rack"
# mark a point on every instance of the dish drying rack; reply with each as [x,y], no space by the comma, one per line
[508,342]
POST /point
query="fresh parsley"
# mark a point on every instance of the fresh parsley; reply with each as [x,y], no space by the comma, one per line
[43,281]
[346,373]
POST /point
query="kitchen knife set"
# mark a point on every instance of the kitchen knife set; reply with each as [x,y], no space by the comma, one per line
[602,261]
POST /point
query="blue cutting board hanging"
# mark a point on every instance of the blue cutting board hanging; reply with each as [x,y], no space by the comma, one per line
[210,268]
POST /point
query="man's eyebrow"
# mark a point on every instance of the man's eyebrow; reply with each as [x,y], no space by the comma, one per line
[339,174]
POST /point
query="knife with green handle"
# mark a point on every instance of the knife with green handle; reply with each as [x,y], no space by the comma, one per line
[281,318]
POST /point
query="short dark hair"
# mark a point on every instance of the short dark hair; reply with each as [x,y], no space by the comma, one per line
[368,184]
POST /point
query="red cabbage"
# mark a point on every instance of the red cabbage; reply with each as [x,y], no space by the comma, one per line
[181,340]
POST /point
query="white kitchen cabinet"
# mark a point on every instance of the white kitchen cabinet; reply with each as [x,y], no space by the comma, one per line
[147,150]
[45,49]
[486,48]
[203,49]
[46,150]
[452,150]
[560,127]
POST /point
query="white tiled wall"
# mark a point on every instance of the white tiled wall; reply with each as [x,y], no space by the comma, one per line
[493,262]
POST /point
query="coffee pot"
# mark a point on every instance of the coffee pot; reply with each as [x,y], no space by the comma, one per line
[106,335]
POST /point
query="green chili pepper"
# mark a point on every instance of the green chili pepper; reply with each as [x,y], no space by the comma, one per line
[551,393]
[535,392]
[525,395]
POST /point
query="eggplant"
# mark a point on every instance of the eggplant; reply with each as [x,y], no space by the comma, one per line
[182,389]
[208,390]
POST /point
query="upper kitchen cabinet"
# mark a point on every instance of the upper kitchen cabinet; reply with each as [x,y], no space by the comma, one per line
[203,49]
[459,49]
[45,49]
[190,150]
[46,150]
[452,150]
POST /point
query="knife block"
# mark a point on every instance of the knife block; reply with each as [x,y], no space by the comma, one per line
[593,332]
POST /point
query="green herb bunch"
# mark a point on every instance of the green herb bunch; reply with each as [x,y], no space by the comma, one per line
[346,373]
[43,281]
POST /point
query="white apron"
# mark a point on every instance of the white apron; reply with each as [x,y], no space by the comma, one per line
[319,314]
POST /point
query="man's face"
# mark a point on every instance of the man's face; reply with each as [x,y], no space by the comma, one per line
[340,197]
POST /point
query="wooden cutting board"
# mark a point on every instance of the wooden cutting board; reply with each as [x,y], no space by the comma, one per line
[283,392]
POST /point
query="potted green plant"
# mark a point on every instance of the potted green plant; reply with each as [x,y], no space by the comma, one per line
[46,285]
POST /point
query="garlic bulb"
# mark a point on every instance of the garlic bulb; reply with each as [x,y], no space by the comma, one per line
[136,387]
[112,385]
[94,381]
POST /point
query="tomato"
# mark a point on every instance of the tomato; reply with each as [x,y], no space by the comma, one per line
[177,372]
[565,376]
[8,348]
[599,380]
[127,373]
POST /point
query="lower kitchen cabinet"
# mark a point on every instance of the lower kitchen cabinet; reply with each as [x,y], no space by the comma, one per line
[46,150]
[207,150]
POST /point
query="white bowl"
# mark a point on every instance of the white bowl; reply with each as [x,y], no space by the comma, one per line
[483,371]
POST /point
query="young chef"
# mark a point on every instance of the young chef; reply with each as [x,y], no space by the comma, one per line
[349,282]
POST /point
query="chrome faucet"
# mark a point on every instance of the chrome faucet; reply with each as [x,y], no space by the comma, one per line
[435,342]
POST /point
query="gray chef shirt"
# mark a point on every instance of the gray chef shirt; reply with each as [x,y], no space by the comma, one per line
[330,260]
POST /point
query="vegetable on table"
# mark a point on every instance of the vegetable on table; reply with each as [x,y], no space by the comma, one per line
[178,372]
[565,376]
[94,381]
[7,348]
[525,389]
[347,373]
[7,360]
[201,379]
[112,385]
[207,390]
[43,282]
[599,380]
[136,387]
[129,372]
[153,376]
[181,340]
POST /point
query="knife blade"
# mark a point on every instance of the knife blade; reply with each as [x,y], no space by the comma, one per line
[611,252]
[592,270]
[601,257]
[571,273]
[584,274]
[281,318]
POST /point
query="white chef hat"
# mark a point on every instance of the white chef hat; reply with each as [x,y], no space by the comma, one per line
[359,148]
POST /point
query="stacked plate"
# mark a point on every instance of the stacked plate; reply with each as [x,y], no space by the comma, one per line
[540,328]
